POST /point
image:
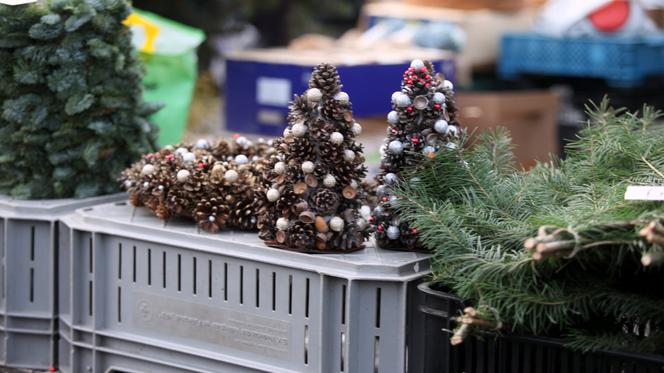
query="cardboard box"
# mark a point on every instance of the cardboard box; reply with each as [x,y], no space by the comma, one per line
[530,116]
[260,84]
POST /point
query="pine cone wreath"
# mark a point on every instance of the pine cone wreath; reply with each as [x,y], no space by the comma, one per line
[326,78]
[211,214]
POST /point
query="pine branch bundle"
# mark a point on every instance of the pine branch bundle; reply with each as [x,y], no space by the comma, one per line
[72,115]
[555,251]
[423,121]
[312,199]
[213,185]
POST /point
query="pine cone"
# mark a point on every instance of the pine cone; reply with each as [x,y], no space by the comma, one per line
[162,212]
[326,78]
[287,202]
[338,111]
[302,148]
[211,214]
[242,215]
[301,235]
[298,109]
[325,201]
[351,238]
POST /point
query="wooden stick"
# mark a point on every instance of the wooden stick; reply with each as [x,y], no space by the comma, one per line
[652,259]
[460,335]
[555,246]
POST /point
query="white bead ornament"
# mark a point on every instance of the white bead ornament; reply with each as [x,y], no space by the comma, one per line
[349,155]
[343,97]
[211,218]
[183,175]
[282,224]
[188,157]
[241,159]
[336,138]
[181,151]
[337,224]
[287,132]
[395,95]
[393,232]
[448,85]
[308,167]
[393,117]
[357,129]
[279,168]
[329,181]
[299,129]
[146,184]
[453,131]
[272,195]
[390,178]
[361,223]
[441,126]
[417,64]
[314,95]
[438,98]
[402,101]
[365,211]
[231,176]
[395,147]
[242,141]
[148,169]
[128,183]
[202,144]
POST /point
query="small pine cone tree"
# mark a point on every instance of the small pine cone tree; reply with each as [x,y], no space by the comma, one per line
[423,121]
[311,199]
[72,116]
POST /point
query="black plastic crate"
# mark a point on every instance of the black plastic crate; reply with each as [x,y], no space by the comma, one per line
[492,353]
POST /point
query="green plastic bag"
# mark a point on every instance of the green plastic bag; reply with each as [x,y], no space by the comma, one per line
[168,50]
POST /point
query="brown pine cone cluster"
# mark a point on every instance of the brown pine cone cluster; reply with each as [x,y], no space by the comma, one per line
[215,185]
[326,78]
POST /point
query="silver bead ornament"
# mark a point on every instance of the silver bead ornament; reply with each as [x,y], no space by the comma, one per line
[395,147]
[349,155]
[202,144]
[314,95]
[231,176]
[438,97]
[181,151]
[242,141]
[428,150]
[272,195]
[448,85]
[402,101]
[336,138]
[378,210]
[299,129]
[188,157]
[282,224]
[441,126]
[393,232]
[393,117]
[241,159]
[417,64]
[361,223]
[148,169]
[329,181]
[357,129]
[279,168]
[337,224]
[394,200]
[182,175]
[453,131]
[390,178]
[343,97]
[381,190]
[451,145]
[308,167]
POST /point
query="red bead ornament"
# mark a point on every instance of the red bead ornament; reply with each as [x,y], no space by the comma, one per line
[385,199]
[149,156]
[409,109]
[380,229]
[170,157]
[424,69]
[201,165]
[372,219]
[436,106]
[52,369]
[413,231]
[427,85]
[415,140]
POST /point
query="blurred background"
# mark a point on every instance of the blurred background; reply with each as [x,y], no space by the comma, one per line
[231,66]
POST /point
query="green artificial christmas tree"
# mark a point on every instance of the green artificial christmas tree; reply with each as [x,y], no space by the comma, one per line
[423,121]
[72,115]
[556,251]
[313,192]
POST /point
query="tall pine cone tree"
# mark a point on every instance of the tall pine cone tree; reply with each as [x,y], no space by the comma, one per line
[71,110]
[423,121]
[312,196]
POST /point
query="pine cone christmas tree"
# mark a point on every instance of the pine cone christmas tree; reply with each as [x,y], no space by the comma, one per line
[423,121]
[312,195]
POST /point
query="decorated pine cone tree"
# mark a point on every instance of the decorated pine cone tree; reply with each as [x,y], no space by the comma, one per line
[72,115]
[423,121]
[312,197]
[215,185]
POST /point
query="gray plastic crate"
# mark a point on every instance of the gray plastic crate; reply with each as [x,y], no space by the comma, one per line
[28,248]
[137,295]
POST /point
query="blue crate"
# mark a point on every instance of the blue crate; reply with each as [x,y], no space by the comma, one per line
[622,62]
[258,93]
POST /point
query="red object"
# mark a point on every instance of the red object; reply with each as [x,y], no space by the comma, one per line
[170,157]
[424,69]
[414,230]
[385,199]
[372,219]
[201,165]
[409,109]
[52,369]
[236,135]
[436,106]
[415,140]
[380,229]
[611,17]
[427,85]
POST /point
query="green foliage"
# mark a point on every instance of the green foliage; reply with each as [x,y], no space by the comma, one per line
[475,210]
[71,110]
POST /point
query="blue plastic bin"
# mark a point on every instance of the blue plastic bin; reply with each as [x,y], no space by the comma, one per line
[622,62]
